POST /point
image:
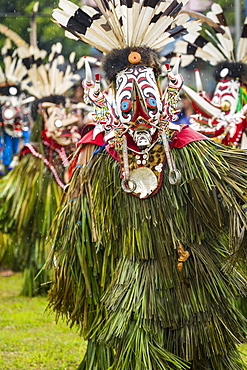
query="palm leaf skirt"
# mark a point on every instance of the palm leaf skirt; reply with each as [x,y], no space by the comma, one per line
[118,273]
[7,252]
[29,197]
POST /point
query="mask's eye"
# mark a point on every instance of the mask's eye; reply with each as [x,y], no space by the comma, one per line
[58,123]
[126,105]
[151,103]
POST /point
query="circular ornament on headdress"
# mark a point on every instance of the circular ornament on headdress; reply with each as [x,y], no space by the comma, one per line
[224,72]
[134,57]
[13,90]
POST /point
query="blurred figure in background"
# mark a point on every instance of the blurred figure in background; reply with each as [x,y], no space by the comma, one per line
[186,111]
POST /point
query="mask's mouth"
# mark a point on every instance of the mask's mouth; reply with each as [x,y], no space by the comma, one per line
[69,131]
[140,124]
[66,134]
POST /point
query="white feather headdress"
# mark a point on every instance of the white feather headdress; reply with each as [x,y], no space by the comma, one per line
[13,70]
[213,47]
[49,74]
[36,72]
[125,23]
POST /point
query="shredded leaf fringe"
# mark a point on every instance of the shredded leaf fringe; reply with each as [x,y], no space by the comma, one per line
[29,197]
[116,272]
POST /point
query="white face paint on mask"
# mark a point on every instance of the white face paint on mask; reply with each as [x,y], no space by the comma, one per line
[226,97]
[61,126]
[145,79]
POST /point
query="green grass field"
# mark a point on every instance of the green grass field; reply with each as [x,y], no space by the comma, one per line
[29,337]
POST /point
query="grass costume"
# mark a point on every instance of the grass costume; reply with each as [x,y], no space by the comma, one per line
[151,229]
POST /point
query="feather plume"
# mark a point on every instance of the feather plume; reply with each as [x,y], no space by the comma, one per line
[33,33]
[48,78]
[242,45]
[216,45]
[13,71]
[226,43]
[206,19]
[173,34]
[124,23]
[147,12]
[163,22]
[86,24]
[2,75]
[13,36]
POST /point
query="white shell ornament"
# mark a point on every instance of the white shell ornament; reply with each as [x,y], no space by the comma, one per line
[145,180]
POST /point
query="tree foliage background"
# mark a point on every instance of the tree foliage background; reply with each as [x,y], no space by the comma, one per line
[16,15]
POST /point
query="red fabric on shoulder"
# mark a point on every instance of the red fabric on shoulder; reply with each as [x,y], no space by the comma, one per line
[24,151]
[187,135]
[88,138]
[113,153]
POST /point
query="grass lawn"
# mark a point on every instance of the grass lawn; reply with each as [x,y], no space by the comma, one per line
[29,337]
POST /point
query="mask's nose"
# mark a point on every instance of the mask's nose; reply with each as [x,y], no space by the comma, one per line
[138,103]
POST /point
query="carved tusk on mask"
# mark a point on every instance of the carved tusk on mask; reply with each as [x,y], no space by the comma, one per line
[202,103]
[88,72]
[97,85]
[175,69]
[198,81]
